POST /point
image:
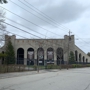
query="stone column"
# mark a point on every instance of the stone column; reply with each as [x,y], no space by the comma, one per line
[35,57]
[35,54]
[55,58]
[25,56]
[65,58]
[77,57]
[45,56]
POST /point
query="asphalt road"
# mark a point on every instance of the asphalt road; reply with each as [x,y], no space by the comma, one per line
[72,79]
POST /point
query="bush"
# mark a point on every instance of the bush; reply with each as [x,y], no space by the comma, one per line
[35,67]
[51,66]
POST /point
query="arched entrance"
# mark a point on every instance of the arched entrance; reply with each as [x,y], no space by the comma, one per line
[80,57]
[59,56]
[76,56]
[2,58]
[83,59]
[50,54]
[86,60]
[20,56]
[30,56]
[40,56]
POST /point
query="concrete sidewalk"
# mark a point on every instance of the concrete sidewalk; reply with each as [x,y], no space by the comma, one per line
[18,74]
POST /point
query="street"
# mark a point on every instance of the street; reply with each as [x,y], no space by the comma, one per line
[72,79]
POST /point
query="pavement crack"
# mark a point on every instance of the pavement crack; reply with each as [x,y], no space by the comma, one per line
[87,86]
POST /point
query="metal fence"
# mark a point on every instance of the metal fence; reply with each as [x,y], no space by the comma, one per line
[17,65]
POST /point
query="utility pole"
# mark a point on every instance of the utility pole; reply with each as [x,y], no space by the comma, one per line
[68,48]
[39,56]
[38,65]
[38,59]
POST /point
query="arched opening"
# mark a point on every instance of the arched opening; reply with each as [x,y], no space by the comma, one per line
[80,57]
[83,59]
[2,58]
[30,56]
[20,56]
[50,54]
[76,56]
[40,56]
[59,56]
[86,60]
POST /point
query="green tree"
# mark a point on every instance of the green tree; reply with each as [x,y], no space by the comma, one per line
[3,1]
[88,54]
[71,58]
[10,53]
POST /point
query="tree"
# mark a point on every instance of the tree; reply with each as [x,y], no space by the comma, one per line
[3,1]
[10,53]
[71,58]
[2,27]
[88,54]
[2,18]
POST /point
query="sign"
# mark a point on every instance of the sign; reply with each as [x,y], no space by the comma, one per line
[40,54]
[40,61]
[30,55]
[50,55]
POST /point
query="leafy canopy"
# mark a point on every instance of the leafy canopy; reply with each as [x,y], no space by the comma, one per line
[71,58]
[3,1]
[10,53]
[88,54]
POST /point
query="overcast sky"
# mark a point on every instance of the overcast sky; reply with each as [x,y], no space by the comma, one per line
[47,16]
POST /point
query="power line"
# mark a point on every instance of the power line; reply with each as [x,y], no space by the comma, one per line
[21,29]
[40,13]
[44,14]
[21,36]
[4,8]
[36,11]
[82,39]
[37,16]
[28,32]
[17,35]
[30,12]
[24,26]
[31,34]
[29,21]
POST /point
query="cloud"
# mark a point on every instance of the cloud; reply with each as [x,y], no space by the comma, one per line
[66,12]
[73,14]
[63,12]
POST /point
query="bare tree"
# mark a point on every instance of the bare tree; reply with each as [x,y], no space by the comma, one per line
[3,1]
[2,27]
